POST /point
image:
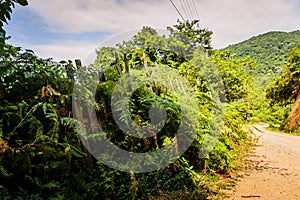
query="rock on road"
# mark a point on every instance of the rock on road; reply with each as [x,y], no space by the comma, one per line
[275,171]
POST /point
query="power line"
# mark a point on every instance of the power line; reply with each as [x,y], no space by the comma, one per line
[183,8]
[177,10]
[186,6]
[196,9]
[190,9]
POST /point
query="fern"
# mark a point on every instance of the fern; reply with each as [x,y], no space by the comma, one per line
[3,171]
[73,124]
[51,185]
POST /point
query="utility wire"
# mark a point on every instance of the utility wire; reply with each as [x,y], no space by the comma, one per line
[187,9]
[183,8]
[177,10]
[189,6]
[196,9]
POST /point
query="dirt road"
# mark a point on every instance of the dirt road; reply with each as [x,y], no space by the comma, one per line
[275,171]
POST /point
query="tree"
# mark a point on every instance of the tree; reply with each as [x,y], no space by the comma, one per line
[234,74]
[286,90]
[287,87]
[40,144]
[5,12]
[198,36]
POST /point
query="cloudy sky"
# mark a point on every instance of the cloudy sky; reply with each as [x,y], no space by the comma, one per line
[69,29]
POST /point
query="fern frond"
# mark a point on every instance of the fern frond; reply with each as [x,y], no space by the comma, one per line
[3,171]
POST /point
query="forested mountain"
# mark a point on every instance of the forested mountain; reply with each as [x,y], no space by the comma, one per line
[273,53]
[269,49]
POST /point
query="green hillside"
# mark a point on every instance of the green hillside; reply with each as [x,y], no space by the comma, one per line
[270,49]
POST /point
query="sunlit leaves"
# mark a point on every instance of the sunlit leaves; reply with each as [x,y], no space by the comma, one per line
[287,87]
[234,74]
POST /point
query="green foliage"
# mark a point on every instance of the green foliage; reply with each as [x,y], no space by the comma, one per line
[234,70]
[5,12]
[42,157]
[24,74]
[34,151]
[219,160]
[270,50]
[283,93]
[270,98]
[286,88]
[198,37]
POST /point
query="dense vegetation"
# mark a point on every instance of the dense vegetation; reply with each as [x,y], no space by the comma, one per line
[274,90]
[270,50]
[284,93]
[42,154]
[6,7]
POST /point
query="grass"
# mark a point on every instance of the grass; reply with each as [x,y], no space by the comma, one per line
[215,186]
[277,130]
[228,182]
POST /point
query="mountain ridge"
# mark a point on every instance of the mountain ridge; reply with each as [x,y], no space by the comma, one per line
[270,49]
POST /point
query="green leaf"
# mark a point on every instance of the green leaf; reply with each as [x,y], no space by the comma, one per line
[167,141]
[22,2]
[3,171]
[27,74]
[45,108]
[77,154]
[14,107]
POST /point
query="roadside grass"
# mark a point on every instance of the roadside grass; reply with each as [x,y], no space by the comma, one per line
[215,186]
[278,130]
[228,182]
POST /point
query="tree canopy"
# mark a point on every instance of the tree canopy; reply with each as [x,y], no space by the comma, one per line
[270,50]
[44,152]
[286,89]
[6,7]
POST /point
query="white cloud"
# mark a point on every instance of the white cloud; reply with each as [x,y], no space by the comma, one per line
[236,20]
[70,50]
[83,50]
[75,16]
[230,20]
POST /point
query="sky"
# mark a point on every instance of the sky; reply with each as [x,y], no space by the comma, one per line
[72,29]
